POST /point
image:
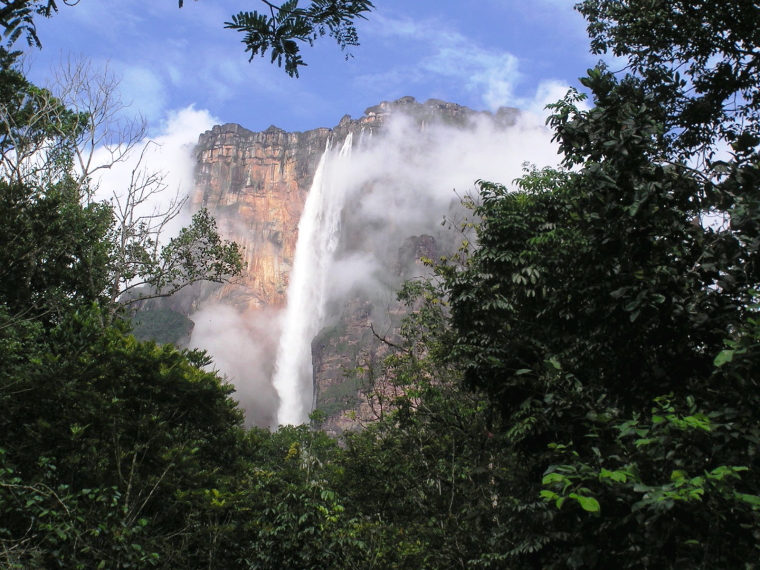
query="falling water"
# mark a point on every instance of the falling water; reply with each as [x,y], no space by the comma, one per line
[318,236]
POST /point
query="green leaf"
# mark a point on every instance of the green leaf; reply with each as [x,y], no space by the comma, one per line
[753,500]
[723,357]
[553,478]
[589,504]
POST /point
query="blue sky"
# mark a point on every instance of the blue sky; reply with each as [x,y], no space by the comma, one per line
[479,53]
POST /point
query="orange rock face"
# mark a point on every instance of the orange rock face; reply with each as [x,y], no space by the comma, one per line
[255,185]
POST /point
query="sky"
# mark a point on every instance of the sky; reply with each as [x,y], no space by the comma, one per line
[478,53]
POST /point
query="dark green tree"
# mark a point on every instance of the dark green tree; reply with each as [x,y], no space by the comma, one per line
[61,246]
[106,442]
[431,482]
[603,304]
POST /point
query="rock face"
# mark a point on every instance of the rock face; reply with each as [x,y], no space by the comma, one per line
[255,185]
[347,356]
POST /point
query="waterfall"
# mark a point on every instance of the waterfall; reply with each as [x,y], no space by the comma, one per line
[318,237]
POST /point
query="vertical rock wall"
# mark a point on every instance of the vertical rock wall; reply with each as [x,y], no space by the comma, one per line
[255,185]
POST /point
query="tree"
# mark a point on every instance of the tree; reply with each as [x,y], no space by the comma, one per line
[601,307]
[281,30]
[64,246]
[55,247]
[107,445]
[104,434]
[431,480]
[141,266]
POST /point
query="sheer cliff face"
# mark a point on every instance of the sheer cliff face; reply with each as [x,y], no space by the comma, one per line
[255,185]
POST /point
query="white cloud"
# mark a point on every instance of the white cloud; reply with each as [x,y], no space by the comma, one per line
[141,88]
[169,152]
[495,76]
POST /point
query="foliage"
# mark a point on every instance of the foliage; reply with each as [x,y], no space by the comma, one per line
[602,307]
[107,442]
[55,253]
[577,390]
[198,253]
[429,481]
[282,30]
[698,58]
[286,25]
[54,518]
[17,17]
[296,519]
[63,247]
[116,434]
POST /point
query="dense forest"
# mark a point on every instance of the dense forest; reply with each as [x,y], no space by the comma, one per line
[578,390]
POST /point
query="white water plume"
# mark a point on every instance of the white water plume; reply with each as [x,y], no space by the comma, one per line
[318,237]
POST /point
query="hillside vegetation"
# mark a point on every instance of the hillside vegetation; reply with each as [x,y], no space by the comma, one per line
[580,390]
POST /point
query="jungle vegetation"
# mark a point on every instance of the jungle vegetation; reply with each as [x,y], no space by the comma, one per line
[580,388]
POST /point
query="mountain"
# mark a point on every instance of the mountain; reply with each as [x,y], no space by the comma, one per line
[256,184]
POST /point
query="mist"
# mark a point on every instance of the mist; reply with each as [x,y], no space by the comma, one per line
[243,346]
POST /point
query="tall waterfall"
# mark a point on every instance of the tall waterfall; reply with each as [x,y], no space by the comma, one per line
[318,237]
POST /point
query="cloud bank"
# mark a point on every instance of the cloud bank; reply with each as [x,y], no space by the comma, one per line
[168,153]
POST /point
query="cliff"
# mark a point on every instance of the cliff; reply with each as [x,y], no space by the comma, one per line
[255,184]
